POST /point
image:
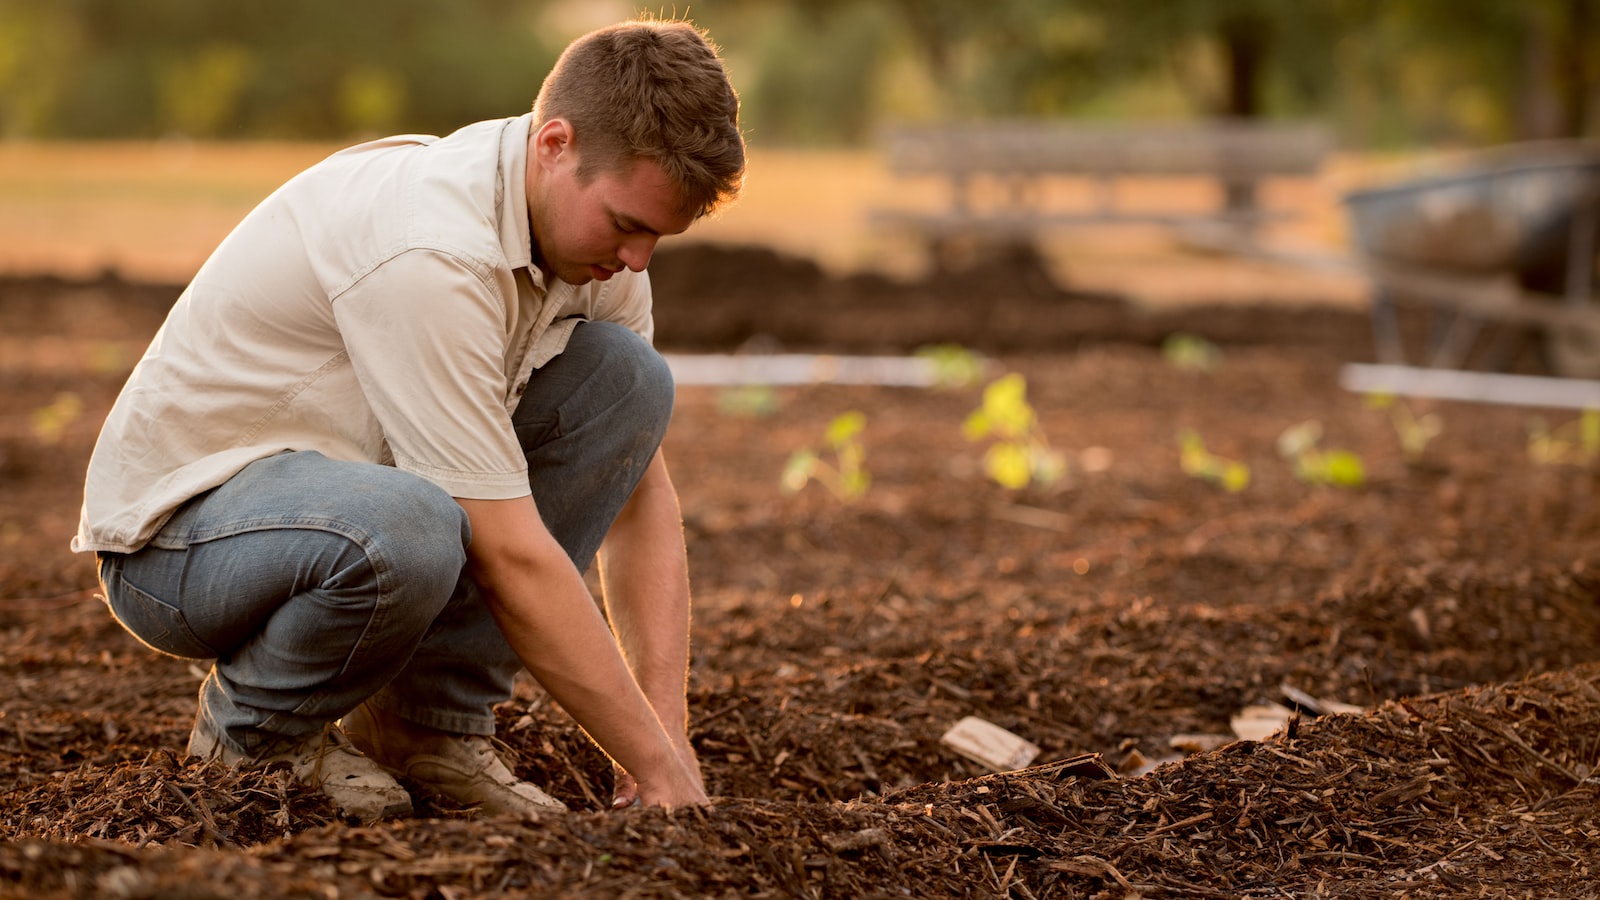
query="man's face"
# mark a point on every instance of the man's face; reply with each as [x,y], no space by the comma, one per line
[591,229]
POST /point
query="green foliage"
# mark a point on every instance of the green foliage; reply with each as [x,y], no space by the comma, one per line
[1198,462]
[809,71]
[1574,443]
[1191,352]
[1314,465]
[953,365]
[371,100]
[199,93]
[1414,431]
[38,50]
[798,95]
[1020,453]
[846,476]
[293,68]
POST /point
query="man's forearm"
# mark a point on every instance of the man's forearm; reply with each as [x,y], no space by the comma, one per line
[645,578]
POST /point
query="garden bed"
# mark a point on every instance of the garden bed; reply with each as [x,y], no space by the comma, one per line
[1128,613]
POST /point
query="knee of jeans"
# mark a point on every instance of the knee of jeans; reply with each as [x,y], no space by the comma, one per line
[422,533]
[650,387]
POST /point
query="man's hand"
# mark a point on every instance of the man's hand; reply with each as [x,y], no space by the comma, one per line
[626,790]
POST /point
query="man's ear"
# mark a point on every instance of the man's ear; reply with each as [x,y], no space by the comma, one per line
[552,143]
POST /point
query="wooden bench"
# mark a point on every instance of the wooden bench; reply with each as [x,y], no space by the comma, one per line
[997,172]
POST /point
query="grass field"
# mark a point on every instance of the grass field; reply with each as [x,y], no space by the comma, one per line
[154,210]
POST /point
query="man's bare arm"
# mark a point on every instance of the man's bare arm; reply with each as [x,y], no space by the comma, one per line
[645,576]
[542,606]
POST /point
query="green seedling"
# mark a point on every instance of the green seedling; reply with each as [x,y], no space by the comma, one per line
[953,364]
[1575,443]
[108,358]
[846,476]
[50,422]
[749,400]
[1198,462]
[1314,465]
[1020,453]
[1191,352]
[1414,431]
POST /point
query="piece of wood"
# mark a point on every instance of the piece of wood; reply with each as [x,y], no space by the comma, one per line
[1317,706]
[1476,387]
[800,368]
[1015,160]
[1257,723]
[1045,146]
[986,743]
[1199,743]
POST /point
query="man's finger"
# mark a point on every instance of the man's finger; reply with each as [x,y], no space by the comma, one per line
[626,792]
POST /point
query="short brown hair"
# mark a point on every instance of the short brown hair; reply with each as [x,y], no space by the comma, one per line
[650,89]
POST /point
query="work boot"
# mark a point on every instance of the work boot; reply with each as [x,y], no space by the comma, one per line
[461,768]
[325,760]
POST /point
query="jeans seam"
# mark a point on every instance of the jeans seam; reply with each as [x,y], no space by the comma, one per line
[383,574]
[382,606]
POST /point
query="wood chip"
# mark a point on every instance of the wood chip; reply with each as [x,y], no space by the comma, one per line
[986,743]
[1257,723]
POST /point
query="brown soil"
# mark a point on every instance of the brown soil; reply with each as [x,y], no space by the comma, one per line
[1452,596]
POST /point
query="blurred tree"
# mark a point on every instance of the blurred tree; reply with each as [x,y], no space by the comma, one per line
[1478,71]
[1231,58]
[198,92]
[810,71]
[1051,57]
[294,68]
[372,100]
[1575,63]
[800,95]
[37,45]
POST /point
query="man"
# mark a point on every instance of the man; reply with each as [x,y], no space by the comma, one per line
[367,458]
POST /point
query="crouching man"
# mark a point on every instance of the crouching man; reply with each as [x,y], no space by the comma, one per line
[398,412]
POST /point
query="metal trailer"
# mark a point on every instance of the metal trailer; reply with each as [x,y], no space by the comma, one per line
[1468,265]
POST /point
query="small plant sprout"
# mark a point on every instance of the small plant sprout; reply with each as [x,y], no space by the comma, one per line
[1413,430]
[846,476]
[1198,462]
[1020,453]
[953,365]
[50,422]
[747,400]
[1575,443]
[1314,465]
[1191,352]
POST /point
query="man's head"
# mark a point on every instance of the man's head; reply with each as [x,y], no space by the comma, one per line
[650,90]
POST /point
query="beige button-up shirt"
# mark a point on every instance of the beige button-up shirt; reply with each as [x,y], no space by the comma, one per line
[381,306]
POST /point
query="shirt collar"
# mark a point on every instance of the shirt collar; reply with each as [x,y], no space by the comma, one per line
[515,239]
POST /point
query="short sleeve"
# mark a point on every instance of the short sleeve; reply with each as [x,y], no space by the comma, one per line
[427,335]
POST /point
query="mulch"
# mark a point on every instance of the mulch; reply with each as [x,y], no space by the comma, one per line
[1118,620]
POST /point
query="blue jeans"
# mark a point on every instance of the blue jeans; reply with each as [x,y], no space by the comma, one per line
[317,584]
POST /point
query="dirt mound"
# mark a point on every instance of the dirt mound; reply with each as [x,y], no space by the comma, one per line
[714,298]
[717,298]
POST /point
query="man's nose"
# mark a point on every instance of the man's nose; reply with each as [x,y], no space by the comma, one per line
[636,251]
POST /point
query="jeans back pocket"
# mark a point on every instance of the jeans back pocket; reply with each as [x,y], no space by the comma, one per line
[158,625]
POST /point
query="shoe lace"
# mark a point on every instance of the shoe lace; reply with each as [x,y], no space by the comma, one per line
[504,751]
[488,751]
[331,740]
